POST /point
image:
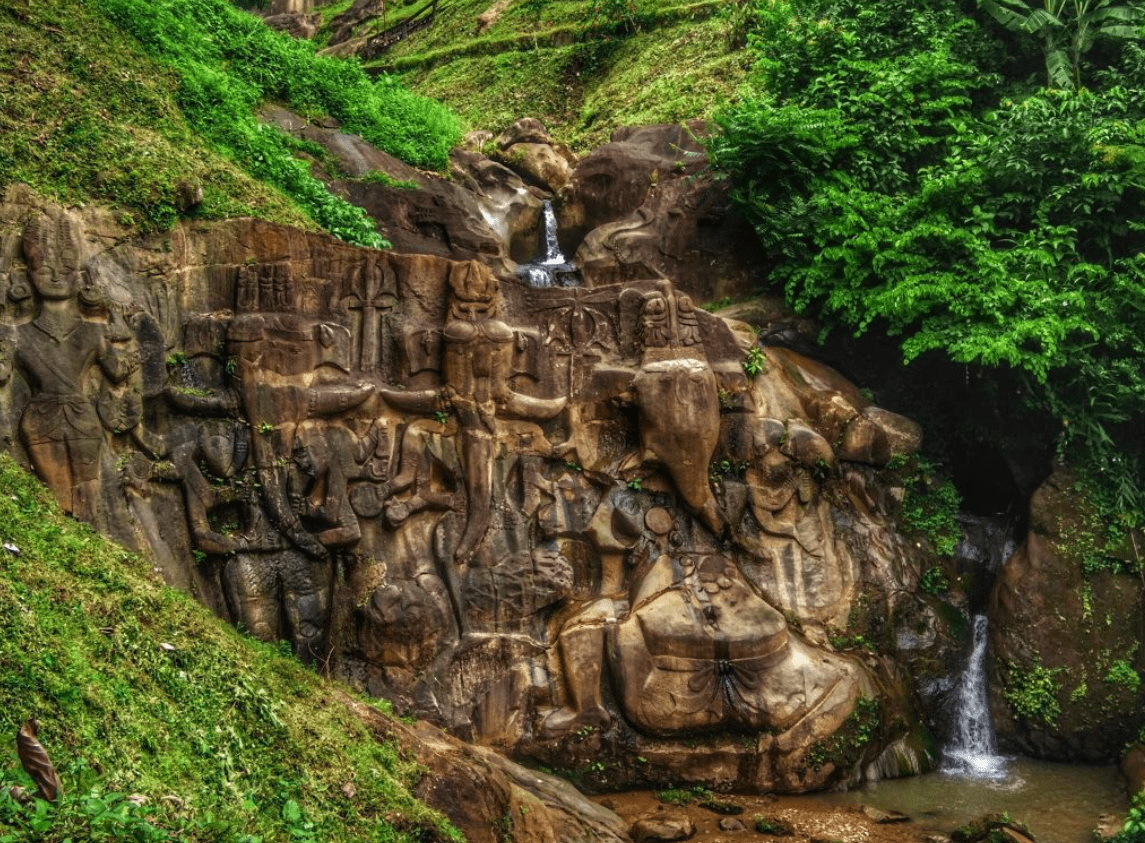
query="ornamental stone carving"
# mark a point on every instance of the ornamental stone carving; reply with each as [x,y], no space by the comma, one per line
[555,520]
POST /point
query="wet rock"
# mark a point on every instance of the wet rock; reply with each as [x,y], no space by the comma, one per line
[1042,618]
[732,824]
[663,827]
[884,817]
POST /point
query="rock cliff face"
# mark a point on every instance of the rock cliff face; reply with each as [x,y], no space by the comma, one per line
[567,523]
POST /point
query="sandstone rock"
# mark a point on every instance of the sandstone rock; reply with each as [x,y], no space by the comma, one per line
[663,828]
[1133,767]
[526,130]
[478,789]
[1035,607]
[1108,827]
[561,522]
[884,817]
[538,164]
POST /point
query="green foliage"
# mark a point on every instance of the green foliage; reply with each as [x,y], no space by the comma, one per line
[1122,673]
[676,796]
[845,746]
[774,826]
[1032,693]
[1067,29]
[228,62]
[934,581]
[1133,831]
[903,187]
[86,116]
[930,507]
[138,689]
[755,362]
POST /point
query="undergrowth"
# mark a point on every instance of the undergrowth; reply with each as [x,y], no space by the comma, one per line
[139,690]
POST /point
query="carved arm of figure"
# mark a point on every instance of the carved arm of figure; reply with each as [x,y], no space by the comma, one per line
[424,402]
[199,496]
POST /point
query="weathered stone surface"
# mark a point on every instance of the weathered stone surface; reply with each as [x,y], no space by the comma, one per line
[562,522]
[488,797]
[538,164]
[732,825]
[663,828]
[1133,767]
[641,206]
[1045,613]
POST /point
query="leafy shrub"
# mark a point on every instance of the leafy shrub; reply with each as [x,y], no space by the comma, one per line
[934,581]
[930,507]
[901,190]
[1122,673]
[1133,831]
[1033,693]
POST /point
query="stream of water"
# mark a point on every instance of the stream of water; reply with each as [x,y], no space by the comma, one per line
[552,268]
[972,750]
[1059,802]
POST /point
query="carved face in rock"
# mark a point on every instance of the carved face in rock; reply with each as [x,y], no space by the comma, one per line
[473,293]
[52,251]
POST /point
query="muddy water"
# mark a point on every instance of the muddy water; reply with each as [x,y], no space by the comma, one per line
[1059,802]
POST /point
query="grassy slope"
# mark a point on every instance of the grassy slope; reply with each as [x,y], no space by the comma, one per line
[121,101]
[138,689]
[85,116]
[681,64]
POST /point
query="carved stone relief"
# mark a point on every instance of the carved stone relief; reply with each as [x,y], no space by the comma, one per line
[529,514]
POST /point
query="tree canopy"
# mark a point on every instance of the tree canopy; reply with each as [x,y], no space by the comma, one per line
[912,174]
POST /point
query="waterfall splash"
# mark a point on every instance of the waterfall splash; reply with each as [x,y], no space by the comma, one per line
[553,268]
[972,750]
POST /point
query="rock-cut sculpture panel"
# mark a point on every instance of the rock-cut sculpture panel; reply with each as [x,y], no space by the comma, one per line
[532,515]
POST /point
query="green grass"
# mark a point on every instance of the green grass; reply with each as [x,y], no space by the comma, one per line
[681,63]
[120,101]
[85,116]
[140,690]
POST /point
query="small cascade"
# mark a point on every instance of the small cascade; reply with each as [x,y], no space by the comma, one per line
[972,750]
[552,269]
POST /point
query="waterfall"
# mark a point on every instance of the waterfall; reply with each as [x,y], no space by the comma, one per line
[972,750]
[552,267]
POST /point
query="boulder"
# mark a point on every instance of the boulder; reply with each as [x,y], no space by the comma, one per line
[1065,645]
[663,828]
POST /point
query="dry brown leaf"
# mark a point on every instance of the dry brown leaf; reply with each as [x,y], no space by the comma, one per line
[36,762]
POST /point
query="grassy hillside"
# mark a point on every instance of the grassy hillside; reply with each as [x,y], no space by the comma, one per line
[123,101]
[140,690]
[582,67]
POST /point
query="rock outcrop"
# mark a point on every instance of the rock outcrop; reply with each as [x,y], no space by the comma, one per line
[566,523]
[1066,644]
